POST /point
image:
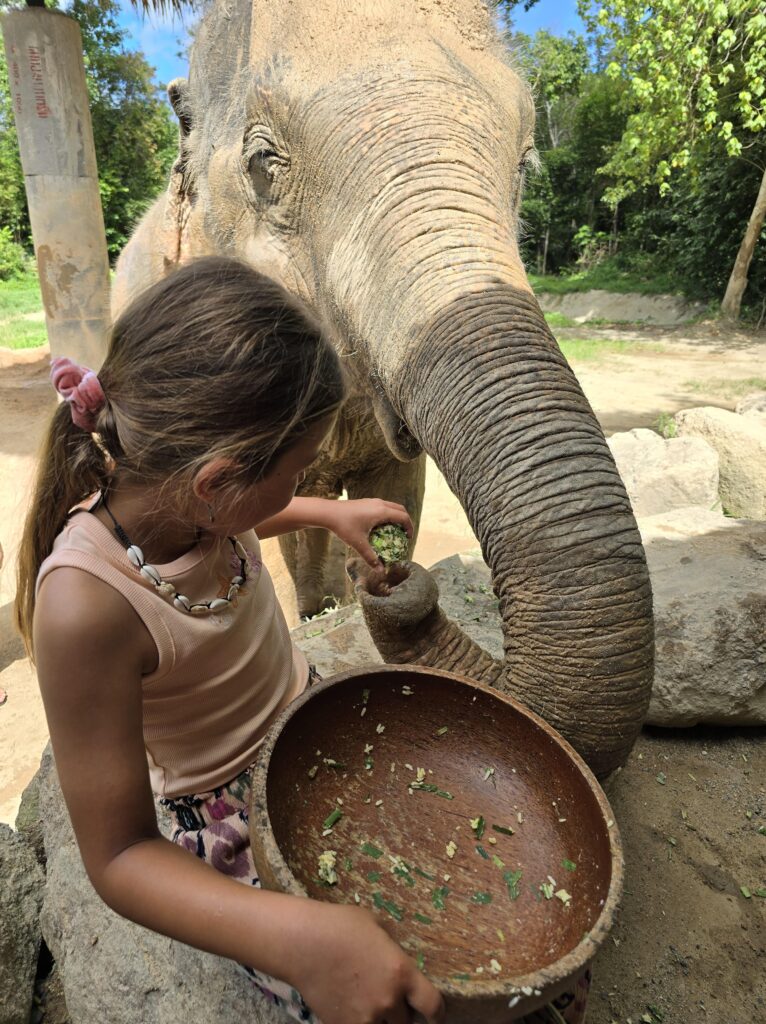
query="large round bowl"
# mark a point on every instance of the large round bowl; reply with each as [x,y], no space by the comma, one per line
[469,825]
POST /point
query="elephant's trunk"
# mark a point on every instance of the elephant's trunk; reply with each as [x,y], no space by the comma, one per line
[489,395]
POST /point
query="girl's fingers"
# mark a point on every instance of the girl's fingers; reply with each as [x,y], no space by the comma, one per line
[427,1000]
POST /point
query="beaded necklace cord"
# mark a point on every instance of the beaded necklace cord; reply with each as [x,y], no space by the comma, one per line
[168,591]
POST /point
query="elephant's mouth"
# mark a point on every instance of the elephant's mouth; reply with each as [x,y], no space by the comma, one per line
[402,444]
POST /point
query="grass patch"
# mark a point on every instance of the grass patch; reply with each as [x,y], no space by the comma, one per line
[607,277]
[18,298]
[727,388]
[590,349]
[559,320]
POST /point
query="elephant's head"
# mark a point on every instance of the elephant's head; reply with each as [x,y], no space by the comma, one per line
[371,156]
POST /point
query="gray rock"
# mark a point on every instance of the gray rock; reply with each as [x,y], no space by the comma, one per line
[753,404]
[598,304]
[662,474]
[112,969]
[741,445]
[21,894]
[28,820]
[708,576]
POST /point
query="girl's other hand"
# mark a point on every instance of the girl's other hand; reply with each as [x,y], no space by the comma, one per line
[353,520]
[350,971]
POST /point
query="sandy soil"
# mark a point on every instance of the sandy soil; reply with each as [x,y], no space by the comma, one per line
[687,946]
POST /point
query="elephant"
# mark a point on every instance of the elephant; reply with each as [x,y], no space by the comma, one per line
[371,156]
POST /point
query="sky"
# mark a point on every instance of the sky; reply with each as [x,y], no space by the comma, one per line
[162,36]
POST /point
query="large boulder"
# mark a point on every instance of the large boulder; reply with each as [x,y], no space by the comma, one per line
[708,576]
[741,445]
[661,474]
[112,969]
[753,404]
[21,895]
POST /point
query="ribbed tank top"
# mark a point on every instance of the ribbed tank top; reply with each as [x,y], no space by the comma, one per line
[222,678]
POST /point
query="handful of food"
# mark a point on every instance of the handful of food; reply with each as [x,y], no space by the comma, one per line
[390,543]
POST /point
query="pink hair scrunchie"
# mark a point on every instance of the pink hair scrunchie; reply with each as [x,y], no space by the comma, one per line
[81,388]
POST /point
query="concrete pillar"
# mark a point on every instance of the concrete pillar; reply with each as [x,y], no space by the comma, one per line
[50,104]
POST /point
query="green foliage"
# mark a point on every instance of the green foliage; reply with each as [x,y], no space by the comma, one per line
[609,276]
[13,258]
[692,68]
[22,324]
[134,131]
[666,425]
[581,350]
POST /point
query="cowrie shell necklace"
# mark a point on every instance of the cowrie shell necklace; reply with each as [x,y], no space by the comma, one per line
[168,591]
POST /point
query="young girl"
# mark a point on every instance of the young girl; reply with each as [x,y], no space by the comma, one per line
[162,654]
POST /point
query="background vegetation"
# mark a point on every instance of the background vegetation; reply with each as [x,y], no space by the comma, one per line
[650,134]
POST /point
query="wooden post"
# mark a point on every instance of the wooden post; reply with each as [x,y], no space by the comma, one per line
[50,106]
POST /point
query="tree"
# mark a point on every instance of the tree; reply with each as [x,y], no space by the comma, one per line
[693,68]
[133,128]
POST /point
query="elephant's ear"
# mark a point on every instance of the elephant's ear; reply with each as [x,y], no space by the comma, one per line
[181,193]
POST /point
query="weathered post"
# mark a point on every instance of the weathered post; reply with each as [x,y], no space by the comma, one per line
[50,105]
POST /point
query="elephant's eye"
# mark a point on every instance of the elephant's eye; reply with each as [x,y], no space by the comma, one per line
[262,161]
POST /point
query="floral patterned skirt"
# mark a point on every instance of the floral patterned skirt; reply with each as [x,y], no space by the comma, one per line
[215,827]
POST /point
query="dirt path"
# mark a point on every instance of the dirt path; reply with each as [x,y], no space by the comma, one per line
[687,944]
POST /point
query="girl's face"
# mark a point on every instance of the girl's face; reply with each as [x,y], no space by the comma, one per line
[241,510]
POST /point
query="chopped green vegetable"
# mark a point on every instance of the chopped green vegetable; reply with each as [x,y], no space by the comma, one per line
[564,896]
[488,773]
[348,864]
[332,763]
[482,853]
[373,876]
[512,879]
[745,892]
[444,729]
[429,787]
[451,848]
[313,771]
[481,898]
[504,830]
[569,865]
[761,893]
[546,888]
[423,919]
[371,851]
[478,825]
[462,977]
[497,862]
[438,895]
[383,904]
[365,696]
[333,818]
[369,763]
[404,875]
[420,960]
[390,543]
[661,778]
[424,874]
[762,830]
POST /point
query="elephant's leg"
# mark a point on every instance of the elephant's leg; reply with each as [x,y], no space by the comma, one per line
[306,555]
[402,482]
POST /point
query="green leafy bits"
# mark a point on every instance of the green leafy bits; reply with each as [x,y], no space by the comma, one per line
[423,918]
[512,879]
[661,778]
[481,898]
[371,851]
[478,825]
[391,908]
[569,865]
[424,874]
[503,829]
[438,896]
[497,862]
[390,543]
[333,818]
[482,853]
[373,876]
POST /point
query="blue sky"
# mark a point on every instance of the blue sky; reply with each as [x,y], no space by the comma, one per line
[161,36]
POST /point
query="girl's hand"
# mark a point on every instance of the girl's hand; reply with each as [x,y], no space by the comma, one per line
[350,971]
[353,520]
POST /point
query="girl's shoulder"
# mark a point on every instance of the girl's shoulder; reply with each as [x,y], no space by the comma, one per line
[73,606]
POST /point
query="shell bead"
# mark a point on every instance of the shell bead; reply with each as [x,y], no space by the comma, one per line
[151,574]
[182,603]
[238,581]
[233,591]
[199,609]
[218,603]
[136,555]
[241,553]
[167,589]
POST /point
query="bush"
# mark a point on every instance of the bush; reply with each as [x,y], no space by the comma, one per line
[14,261]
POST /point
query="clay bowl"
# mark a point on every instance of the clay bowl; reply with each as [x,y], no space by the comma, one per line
[540,789]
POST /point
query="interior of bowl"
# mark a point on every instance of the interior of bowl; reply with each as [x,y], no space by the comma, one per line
[450,812]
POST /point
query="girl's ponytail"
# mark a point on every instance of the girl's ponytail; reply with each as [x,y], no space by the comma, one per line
[71,467]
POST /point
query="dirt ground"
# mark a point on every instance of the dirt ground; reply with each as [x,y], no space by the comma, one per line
[687,946]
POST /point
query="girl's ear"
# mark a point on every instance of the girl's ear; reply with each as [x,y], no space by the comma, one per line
[213,478]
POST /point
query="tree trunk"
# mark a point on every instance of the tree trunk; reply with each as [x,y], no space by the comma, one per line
[735,289]
[545,248]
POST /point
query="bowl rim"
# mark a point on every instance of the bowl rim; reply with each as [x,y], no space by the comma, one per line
[550,977]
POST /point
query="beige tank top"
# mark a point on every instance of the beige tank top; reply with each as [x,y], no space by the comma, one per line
[221,679]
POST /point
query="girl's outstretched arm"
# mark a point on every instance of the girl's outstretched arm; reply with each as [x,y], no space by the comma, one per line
[91,651]
[349,520]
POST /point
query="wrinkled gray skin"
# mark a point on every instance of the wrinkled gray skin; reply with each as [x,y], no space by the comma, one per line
[372,160]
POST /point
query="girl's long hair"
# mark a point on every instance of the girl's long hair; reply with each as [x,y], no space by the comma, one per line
[213,360]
